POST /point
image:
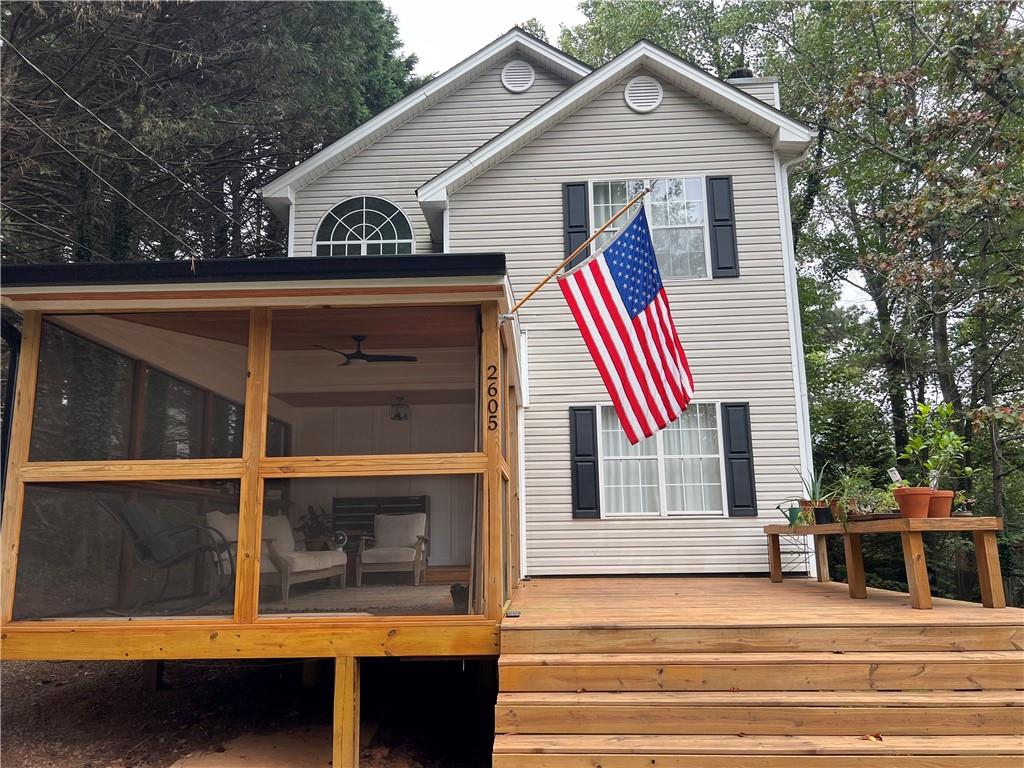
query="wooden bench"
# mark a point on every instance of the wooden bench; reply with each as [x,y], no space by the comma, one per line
[910,530]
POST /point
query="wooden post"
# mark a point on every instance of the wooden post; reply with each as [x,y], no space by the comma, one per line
[990,576]
[854,565]
[346,713]
[821,556]
[917,570]
[21,438]
[250,499]
[490,388]
[774,558]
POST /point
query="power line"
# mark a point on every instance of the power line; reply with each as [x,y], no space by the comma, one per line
[55,231]
[131,144]
[195,254]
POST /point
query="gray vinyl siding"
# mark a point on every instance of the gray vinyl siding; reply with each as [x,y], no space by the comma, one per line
[763,88]
[396,165]
[735,331]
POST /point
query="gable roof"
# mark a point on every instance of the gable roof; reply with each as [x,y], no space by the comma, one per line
[790,137]
[280,192]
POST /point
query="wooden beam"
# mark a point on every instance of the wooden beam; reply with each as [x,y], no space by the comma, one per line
[821,557]
[20,442]
[990,576]
[855,566]
[132,470]
[376,466]
[250,500]
[774,558]
[346,713]
[490,387]
[222,639]
[917,571]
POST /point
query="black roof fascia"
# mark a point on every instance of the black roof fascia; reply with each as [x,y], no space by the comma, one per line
[256,270]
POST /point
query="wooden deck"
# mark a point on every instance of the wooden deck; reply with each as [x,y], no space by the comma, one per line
[741,672]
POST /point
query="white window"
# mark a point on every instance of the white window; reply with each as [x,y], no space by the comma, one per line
[676,212]
[364,226]
[678,471]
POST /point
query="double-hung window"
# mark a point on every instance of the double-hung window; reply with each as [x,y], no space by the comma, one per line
[676,211]
[678,471]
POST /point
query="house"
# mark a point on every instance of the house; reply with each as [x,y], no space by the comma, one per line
[354,451]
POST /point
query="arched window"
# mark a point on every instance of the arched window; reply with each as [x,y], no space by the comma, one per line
[364,226]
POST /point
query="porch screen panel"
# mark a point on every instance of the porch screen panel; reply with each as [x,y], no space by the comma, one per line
[381,545]
[100,550]
[161,385]
[373,380]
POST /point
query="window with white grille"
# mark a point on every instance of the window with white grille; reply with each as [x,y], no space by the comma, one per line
[675,211]
[678,471]
[364,226]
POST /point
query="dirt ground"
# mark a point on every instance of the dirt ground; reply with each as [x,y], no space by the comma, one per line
[100,715]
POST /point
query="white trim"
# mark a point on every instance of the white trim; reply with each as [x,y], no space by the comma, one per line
[334,154]
[666,279]
[291,230]
[446,230]
[796,343]
[320,221]
[659,459]
[788,134]
[521,426]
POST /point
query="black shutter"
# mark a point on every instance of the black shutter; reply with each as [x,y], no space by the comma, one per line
[575,218]
[722,221]
[739,460]
[586,495]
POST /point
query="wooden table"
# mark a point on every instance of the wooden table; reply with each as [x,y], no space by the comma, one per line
[910,530]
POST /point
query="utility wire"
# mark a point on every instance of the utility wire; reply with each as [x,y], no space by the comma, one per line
[55,231]
[119,193]
[131,144]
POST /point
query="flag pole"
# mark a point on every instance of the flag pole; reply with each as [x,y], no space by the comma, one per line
[579,249]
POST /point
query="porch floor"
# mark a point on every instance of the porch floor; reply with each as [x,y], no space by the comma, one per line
[744,673]
[728,602]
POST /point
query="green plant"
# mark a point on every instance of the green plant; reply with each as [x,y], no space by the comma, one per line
[856,494]
[814,488]
[934,448]
[316,523]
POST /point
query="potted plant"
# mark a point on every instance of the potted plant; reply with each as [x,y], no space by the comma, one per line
[855,495]
[935,450]
[816,502]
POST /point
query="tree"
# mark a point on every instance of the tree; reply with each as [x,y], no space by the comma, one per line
[535,28]
[205,103]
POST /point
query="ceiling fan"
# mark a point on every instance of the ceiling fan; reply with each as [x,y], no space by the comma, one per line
[358,356]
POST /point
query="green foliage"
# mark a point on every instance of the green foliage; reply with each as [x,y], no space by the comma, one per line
[934,448]
[535,28]
[225,95]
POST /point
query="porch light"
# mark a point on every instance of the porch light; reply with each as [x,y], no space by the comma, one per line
[399,410]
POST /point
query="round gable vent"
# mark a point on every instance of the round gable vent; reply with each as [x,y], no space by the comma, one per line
[517,76]
[643,93]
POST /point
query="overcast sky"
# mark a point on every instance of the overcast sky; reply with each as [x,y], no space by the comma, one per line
[444,32]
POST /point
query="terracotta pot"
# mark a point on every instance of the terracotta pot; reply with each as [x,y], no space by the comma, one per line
[913,501]
[941,504]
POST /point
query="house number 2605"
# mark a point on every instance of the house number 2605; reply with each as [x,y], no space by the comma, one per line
[492,398]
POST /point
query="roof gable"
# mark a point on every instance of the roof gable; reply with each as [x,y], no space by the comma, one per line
[279,193]
[790,137]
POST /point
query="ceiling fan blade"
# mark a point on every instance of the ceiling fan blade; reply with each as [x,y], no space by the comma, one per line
[390,358]
[345,355]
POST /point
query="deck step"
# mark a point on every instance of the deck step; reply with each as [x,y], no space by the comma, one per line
[519,637]
[743,751]
[766,713]
[579,672]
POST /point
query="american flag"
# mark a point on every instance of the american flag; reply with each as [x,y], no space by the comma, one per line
[620,306]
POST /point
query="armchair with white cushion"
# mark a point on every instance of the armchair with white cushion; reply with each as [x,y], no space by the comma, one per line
[280,562]
[398,543]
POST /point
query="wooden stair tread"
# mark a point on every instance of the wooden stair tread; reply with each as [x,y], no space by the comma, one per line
[597,744]
[997,698]
[754,657]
